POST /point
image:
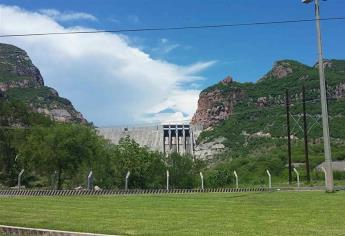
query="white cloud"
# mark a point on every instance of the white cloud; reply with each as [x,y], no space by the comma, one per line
[164,47]
[108,80]
[179,100]
[67,16]
[166,118]
[195,68]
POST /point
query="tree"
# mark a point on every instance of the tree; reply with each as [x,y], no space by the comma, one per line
[183,170]
[147,168]
[63,148]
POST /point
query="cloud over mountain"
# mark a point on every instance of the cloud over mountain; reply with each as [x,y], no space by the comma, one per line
[108,79]
[67,16]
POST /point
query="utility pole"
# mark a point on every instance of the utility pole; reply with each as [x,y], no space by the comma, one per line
[306,151]
[325,125]
[287,103]
[323,93]
[327,97]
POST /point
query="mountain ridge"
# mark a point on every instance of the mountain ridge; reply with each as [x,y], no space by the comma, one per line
[217,102]
[22,81]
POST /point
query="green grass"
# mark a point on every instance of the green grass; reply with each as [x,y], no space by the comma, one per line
[279,213]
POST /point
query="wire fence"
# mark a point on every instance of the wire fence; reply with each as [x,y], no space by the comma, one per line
[125,192]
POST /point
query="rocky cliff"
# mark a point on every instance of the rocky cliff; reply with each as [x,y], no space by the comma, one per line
[216,105]
[218,102]
[21,80]
[240,118]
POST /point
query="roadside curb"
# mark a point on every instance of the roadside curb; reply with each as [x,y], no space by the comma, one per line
[14,230]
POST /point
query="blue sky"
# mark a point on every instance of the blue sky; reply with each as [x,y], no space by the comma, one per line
[246,53]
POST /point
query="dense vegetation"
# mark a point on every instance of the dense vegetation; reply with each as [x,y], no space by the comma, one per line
[250,153]
[60,155]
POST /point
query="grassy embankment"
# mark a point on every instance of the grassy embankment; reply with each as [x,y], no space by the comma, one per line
[279,213]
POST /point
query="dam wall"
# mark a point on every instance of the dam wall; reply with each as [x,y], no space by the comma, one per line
[164,138]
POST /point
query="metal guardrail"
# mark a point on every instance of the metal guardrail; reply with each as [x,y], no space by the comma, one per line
[36,192]
[25,192]
[308,188]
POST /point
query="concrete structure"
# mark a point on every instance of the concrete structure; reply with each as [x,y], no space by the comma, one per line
[166,138]
[337,166]
[323,94]
[178,138]
[15,230]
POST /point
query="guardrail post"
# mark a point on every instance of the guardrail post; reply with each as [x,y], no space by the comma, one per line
[126,184]
[55,182]
[167,180]
[89,181]
[269,179]
[20,178]
[235,173]
[297,174]
[325,172]
[202,180]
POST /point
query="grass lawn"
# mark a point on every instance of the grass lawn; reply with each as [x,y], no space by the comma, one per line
[279,213]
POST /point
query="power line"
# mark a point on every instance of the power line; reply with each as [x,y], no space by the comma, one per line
[173,28]
[233,115]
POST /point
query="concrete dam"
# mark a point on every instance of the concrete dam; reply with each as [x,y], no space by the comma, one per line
[166,138]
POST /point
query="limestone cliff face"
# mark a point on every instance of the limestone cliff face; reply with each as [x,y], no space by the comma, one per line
[218,102]
[280,70]
[21,80]
[339,91]
[17,70]
[215,105]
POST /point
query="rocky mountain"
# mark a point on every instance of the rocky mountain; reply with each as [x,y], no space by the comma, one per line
[218,102]
[237,115]
[21,80]
[214,106]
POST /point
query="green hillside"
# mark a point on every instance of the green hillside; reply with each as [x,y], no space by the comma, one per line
[21,81]
[271,118]
[255,133]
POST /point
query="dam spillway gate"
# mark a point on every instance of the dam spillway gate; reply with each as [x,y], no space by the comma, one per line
[166,138]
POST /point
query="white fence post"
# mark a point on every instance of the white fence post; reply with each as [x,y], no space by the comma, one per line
[55,181]
[202,180]
[89,181]
[297,174]
[127,176]
[269,179]
[236,178]
[167,180]
[20,178]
